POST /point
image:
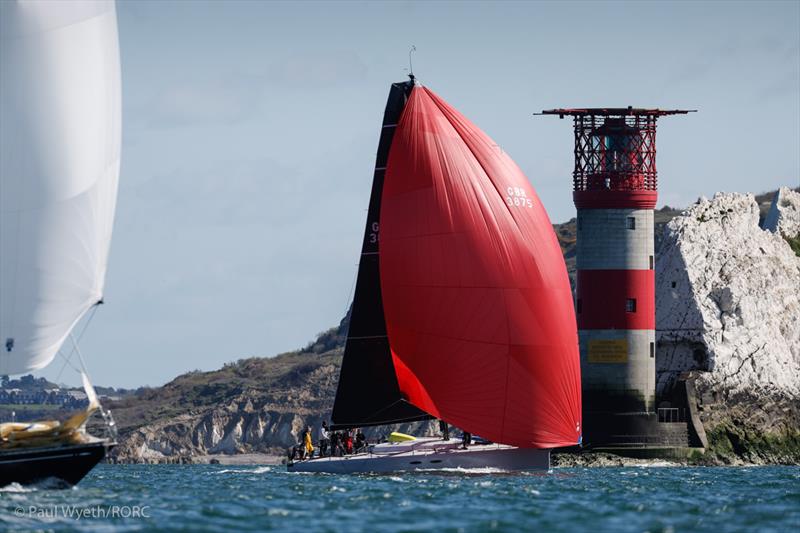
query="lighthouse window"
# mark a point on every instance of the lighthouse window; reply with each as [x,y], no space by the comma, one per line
[630,305]
[631,223]
[651,262]
[652,350]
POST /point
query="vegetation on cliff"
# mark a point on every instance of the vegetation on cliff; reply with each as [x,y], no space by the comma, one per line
[196,391]
[732,444]
[794,243]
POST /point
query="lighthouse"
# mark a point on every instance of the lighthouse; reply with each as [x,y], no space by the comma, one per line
[615,192]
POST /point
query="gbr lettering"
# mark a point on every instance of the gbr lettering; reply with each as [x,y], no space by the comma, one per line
[374,235]
[516,197]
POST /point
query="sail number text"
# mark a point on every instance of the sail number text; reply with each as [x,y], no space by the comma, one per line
[374,235]
[516,197]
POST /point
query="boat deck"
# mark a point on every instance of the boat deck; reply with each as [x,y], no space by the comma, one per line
[428,453]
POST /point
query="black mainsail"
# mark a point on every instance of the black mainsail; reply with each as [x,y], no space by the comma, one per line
[368,393]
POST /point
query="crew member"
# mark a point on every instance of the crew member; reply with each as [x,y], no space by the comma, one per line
[324,439]
[348,441]
[361,441]
[336,444]
[309,447]
[444,429]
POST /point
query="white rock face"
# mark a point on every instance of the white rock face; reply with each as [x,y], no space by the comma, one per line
[727,298]
[231,442]
[784,214]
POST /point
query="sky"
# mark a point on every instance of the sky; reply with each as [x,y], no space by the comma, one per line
[250,130]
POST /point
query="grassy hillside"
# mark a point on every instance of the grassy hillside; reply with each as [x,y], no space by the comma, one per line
[195,392]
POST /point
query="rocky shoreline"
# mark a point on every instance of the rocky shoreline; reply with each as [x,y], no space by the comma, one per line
[775,455]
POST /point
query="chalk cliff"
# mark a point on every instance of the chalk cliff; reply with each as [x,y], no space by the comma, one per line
[783,217]
[728,299]
[728,316]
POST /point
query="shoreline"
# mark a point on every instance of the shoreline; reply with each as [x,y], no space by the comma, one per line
[264,459]
[609,460]
[558,460]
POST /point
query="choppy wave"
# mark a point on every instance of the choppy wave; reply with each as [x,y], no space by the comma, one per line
[465,471]
[44,484]
[266,498]
[16,487]
[656,464]
[258,470]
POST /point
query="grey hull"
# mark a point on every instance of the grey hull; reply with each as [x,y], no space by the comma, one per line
[499,457]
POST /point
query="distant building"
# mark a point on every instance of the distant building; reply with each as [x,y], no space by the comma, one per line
[68,399]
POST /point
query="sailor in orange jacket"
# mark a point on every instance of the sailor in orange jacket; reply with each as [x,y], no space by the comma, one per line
[307,441]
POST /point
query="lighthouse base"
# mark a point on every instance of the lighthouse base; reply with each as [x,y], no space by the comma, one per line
[637,430]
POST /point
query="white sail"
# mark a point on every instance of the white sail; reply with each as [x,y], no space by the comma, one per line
[59,168]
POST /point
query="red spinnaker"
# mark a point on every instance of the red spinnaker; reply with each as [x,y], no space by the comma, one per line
[476,295]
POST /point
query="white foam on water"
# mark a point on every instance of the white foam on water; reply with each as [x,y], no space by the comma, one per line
[656,464]
[460,470]
[16,487]
[43,484]
[259,470]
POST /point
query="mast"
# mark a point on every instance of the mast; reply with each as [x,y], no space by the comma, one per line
[368,393]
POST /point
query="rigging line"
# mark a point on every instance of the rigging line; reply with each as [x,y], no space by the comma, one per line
[85,378]
[66,362]
[80,355]
[67,358]
[88,321]
[410,65]
[350,293]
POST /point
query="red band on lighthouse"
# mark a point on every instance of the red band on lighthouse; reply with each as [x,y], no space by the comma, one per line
[609,199]
[616,299]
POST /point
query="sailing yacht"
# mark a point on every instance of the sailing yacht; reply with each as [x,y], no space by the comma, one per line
[462,309]
[59,168]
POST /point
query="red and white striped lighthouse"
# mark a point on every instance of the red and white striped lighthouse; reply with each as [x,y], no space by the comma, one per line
[615,194]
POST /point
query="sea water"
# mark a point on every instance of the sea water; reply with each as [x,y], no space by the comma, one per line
[267,498]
